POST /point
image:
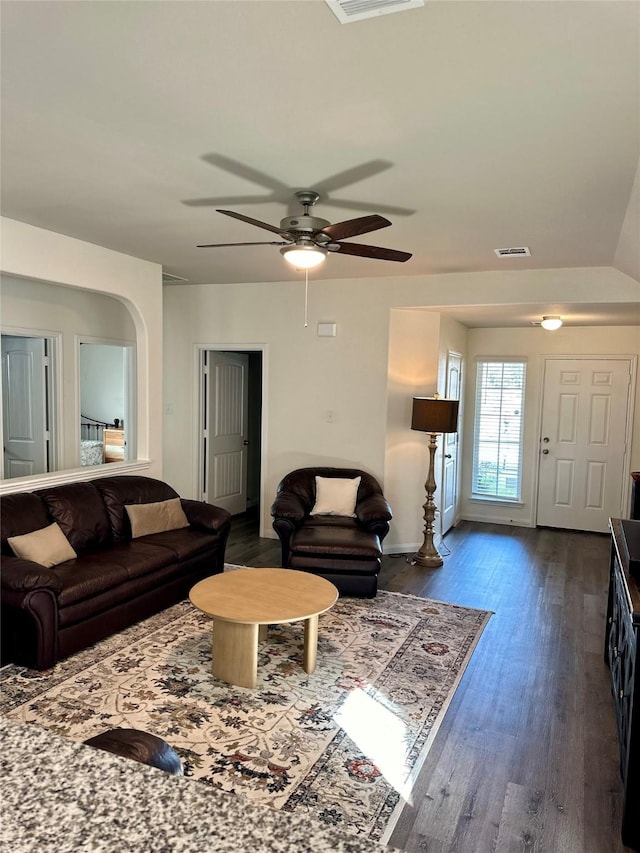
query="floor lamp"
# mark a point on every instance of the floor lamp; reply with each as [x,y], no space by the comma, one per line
[433,415]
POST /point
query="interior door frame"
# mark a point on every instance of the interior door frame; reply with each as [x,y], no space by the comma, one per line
[625,495]
[198,455]
[453,354]
[55,396]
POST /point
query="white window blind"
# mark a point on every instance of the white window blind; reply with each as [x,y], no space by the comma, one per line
[497,440]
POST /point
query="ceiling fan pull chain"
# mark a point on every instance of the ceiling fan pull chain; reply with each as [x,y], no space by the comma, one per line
[306,298]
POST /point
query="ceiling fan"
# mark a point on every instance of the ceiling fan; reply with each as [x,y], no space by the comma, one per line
[307,239]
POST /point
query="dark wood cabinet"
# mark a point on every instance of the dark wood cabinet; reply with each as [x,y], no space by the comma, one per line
[621,655]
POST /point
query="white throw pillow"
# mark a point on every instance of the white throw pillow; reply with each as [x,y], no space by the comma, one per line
[156,517]
[336,496]
[47,546]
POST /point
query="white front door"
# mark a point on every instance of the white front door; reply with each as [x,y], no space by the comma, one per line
[583,442]
[24,406]
[449,499]
[227,396]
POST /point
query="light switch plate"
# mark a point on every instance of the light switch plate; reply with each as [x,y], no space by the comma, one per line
[327,330]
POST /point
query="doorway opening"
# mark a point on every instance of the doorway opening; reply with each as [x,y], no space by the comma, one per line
[231,427]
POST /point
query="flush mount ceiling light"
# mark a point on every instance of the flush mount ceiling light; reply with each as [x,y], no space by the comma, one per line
[304,257]
[551,322]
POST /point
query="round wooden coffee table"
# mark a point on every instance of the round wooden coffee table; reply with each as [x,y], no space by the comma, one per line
[242,603]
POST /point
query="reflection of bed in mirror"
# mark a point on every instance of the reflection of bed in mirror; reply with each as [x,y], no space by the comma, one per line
[100,442]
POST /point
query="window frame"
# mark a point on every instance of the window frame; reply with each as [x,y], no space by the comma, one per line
[513,445]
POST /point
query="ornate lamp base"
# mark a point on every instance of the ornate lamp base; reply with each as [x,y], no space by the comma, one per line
[427,555]
[429,558]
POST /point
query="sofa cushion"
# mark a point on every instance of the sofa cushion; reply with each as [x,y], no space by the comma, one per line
[336,496]
[129,489]
[139,558]
[183,543]
[319,521]
[47,546]
[337,566]
[321,541]
[80,512]
[21,513]
[92,573]
[156,517]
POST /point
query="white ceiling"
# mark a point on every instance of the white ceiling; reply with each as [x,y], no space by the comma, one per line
[471,125]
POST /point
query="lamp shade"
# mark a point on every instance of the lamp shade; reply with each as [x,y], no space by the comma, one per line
[431,414]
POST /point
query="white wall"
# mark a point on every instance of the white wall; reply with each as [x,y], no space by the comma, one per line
[627,255]
[33,253]
[414,339]
[305,376]
[535,344]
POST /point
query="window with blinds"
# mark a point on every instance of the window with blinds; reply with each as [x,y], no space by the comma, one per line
[497,438]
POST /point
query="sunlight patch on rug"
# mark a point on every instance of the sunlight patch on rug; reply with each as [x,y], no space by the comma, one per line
[343,745]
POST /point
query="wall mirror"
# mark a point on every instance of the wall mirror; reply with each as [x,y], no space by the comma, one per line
[107,372]
[65,353]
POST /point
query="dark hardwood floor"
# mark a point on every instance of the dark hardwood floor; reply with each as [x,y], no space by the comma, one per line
[526,759]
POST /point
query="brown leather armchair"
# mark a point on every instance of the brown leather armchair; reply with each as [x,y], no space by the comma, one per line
[344,550]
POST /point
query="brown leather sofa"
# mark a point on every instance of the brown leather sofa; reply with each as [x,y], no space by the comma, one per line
[50,613]
[344,550]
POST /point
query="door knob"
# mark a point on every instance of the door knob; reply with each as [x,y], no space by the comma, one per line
[245,442]
[545,451]
[546,439]
[447,456]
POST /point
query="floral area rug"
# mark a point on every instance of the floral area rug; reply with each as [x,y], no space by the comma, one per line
[343,745]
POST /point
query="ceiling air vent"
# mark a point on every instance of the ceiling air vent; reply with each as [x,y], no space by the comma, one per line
[347,11]
[167,278]
[514,252]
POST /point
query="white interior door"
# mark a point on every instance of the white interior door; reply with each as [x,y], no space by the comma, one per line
[24,406]
[226,378]
[449,499]
[582,442]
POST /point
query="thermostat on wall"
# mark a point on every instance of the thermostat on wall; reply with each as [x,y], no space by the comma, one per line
[327,330]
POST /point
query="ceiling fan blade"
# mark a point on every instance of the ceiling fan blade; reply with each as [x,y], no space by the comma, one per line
[352,176]
[247,173]
[251,221]
[218,245]
[376,252]
[351,204]
[228,199]
[353,227]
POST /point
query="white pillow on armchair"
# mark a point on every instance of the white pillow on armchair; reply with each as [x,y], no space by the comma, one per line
[336,496]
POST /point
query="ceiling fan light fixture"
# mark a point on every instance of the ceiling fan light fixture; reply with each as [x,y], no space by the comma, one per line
[304,257]
[551,322]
